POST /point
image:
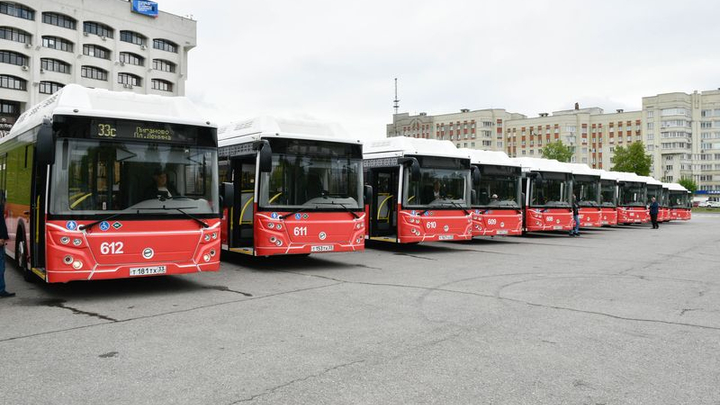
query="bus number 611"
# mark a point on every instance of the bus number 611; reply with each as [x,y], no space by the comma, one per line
[300,231]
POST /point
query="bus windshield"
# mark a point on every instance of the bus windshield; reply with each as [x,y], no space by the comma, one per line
[633,194]
[92,177]
[654,191]
[608,189]
[497,189]
[437,188]
[313,175]
[552,190]
[586,189]
[679,199]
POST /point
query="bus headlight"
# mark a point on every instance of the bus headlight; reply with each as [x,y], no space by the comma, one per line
[271,225]
[67,259]
[214,235]
[279,242]
[358,240]
[212,253]
[77,242]
[278,227]
[77,265]
[65,240]
[207,237]
[273,239]
[206,257]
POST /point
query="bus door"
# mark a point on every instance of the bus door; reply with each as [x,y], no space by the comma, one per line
[37,211]
[383,209]
[243,214]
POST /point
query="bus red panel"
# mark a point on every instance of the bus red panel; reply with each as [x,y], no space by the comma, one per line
[433,225]
[548,219]
[494,222]
[609,216]
[590,217]
[632,215]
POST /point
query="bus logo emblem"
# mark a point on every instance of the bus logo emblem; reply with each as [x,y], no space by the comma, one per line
[117,225]
[148,253]
[322,235]
[502,224]
[298,216]
[71,225]
[104,226]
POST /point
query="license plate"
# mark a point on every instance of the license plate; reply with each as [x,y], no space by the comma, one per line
[445,237]
[557,227]
[145,271]
[322,248]
[606,223]
[501,232]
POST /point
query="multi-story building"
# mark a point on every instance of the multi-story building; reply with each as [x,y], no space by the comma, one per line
[46,44]
[680,131]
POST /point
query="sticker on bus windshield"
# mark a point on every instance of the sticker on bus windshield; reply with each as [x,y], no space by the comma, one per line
[117,225]
[71,225]
[274,215]
[104,226]
[298,216]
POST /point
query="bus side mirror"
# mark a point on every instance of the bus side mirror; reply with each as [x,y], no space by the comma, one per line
[368,194]
[265,151]
[228,194]
[475,176]
[45,147]
[414,166]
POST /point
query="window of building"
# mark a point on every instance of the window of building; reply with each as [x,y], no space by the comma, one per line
[57,43]
[92,72]
[164,85]
[60,20]
[96,28]
[96,51]
[650,125]
[12,34]
[165,45]
[50,87]
[9,108]
[673,111]
[650,114]
[54,65]
[131,79]
[13,58]
[17,10]
[12,83]
[133,38]
[132,59]
[705,124]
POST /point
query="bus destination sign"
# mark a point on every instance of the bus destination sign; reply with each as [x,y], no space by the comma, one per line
[140,131]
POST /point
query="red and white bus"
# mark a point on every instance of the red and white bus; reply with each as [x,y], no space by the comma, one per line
[664,215]
[547,186]
[290,187]
[100,184]
[632,199]
[586,187]
[608,197]
[680,202]
[418,190]
[496,194]
[654,189]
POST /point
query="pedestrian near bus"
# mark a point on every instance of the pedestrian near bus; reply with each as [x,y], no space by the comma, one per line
[3,238]
[654,209]
[576,218]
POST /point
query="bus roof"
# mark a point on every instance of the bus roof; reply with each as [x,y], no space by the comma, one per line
[490,157]
[77,100]
[630,177]
[582,169]
[541,165]
[270,126]
[651,181]
[608,175]
[401,145]
[675,187]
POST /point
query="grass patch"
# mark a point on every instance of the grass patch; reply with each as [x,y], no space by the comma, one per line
[706,210]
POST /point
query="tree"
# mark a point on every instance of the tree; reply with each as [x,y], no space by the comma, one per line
[689,184]
[557,150]
[632,159]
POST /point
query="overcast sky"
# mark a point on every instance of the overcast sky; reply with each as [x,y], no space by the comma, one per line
[336,60]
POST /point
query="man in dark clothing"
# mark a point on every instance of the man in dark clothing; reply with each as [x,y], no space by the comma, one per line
[3,238]
[654,208]
[576,219]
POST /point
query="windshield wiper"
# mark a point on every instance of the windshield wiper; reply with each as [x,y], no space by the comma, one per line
[453,203]
[91,224]
[342,205]
[180,210]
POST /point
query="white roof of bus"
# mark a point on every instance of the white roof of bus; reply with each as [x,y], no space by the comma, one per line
[77,100]
[631,177]
[272,126]
[541,165]
[402,145]
[490,157]
[608,175]
[675,187]
[581,169]
[651,181]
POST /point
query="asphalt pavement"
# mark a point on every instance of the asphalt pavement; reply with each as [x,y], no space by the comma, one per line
[625,315]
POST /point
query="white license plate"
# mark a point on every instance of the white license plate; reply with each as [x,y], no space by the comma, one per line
[605,223]
[446,237]
[322,248]
[145,271]
[557,227]
[502,232]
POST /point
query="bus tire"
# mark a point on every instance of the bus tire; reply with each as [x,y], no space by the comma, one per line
[21,257]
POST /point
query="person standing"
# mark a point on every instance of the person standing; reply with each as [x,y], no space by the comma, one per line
[654,209]
[576,218]
[3,238]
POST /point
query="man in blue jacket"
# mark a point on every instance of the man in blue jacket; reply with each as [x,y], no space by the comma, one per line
[3,238]
[575,231]
[654,209]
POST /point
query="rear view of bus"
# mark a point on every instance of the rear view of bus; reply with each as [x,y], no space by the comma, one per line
[104,184]
[290,187]
[496,194]
[632,199]
[680,202]
[418,191]
[547,185]
[608,198]
[586,187]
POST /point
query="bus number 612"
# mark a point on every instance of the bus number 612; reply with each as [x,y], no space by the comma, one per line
[114,248]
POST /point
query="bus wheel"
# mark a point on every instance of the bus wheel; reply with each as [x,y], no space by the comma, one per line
[21,261]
